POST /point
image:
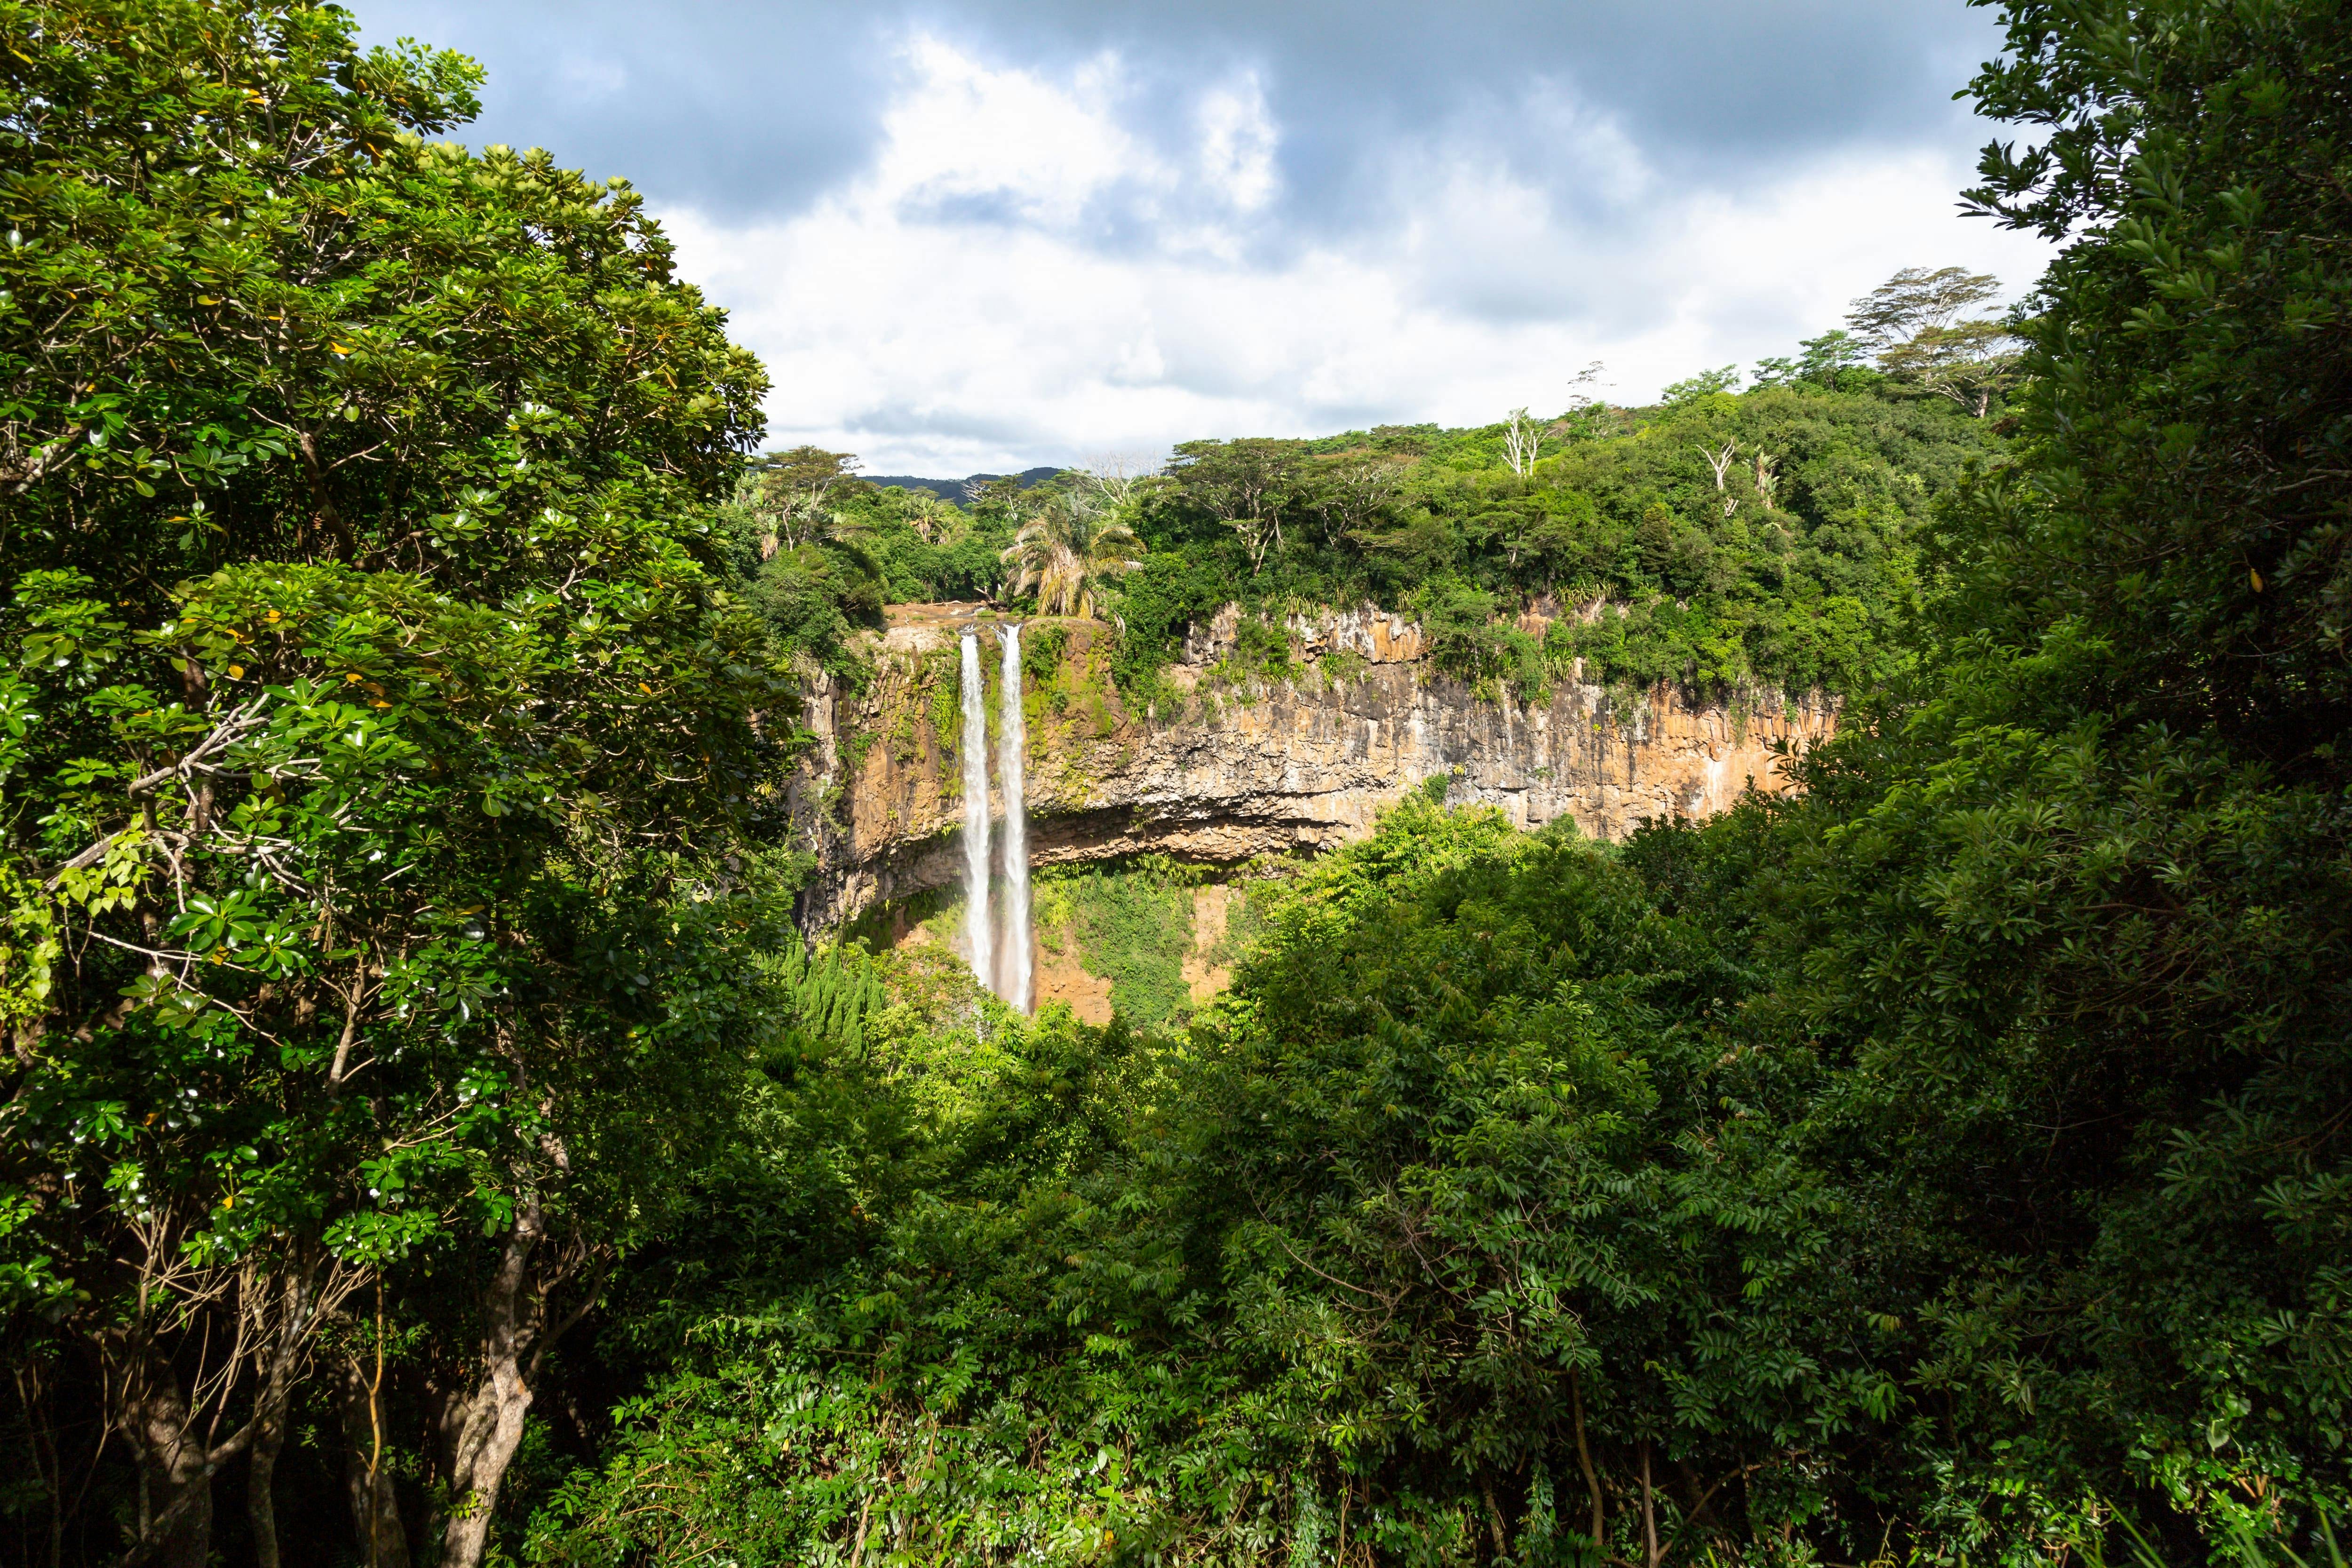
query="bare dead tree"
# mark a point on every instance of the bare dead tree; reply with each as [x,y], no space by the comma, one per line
[1115,476]
[1577,397]
[1720,461]
[1522,441]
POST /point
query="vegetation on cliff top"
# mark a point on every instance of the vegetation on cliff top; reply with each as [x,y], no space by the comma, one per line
[1722,539]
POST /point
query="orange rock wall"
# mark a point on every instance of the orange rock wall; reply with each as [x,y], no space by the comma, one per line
[1240,771]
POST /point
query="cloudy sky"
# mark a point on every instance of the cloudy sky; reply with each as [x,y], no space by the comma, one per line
[987,234]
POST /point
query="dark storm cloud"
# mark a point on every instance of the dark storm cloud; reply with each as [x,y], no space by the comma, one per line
[742,108]
[1710,91]
[749,110]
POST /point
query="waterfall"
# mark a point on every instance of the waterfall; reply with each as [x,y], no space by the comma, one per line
[1012,743]
[977,931]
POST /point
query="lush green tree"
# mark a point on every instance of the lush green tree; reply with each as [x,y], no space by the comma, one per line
[1706,383]
[930,548]
[2069,917]
[286,307]
[370,671]
[1247,484]
[794,496]
[1918,299]
[1914,321]
[1971,362]
[1827,360]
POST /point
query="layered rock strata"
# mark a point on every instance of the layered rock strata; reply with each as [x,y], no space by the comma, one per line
[1228,772]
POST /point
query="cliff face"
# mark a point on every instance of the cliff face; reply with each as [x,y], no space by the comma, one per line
[1237,772]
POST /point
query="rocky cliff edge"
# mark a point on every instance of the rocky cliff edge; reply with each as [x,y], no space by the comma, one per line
[1228,769]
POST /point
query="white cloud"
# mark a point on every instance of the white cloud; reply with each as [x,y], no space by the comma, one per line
[1237,144]
[960,133]
[1018,278]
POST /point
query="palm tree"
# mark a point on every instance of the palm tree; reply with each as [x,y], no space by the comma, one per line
[1073,543]
[933,517]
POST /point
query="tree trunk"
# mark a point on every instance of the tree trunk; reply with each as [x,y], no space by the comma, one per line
[41,1439]
[260,1500]
[1495,1521]
[281,1368]
[177,1483]
[490,1426]
[1650,1554]
[1584,1462]
[375,1506]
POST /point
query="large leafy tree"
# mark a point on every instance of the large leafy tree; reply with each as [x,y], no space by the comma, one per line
[2070,917]
[794,494]
[1248,484]
[2188,512]
[368,675]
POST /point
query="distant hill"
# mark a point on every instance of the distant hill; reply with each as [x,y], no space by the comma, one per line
[952,489]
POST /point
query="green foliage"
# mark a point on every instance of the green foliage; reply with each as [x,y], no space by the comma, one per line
[1832,360]
[1367,1252]
[833,995]
[1794,566]
[1705,384]
[812,599]
[2201,321]
[2066,921]
[252,315]
[1076,542]
[820,569]
[1133,927]
[1940,1165]
[375,722]
[1042,648]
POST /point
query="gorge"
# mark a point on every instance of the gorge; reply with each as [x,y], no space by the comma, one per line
[583,993]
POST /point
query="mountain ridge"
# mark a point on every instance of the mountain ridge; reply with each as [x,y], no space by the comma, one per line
[953,489]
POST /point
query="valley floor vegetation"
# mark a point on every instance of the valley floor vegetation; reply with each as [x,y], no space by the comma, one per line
[425,1136]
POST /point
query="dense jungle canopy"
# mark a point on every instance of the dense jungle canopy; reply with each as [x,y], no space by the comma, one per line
[1771,538]
[425,1135]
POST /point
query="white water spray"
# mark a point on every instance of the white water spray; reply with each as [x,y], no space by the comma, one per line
[1011,745]
[977,932]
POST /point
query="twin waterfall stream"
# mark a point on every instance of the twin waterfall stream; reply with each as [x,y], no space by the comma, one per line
[1002,967]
